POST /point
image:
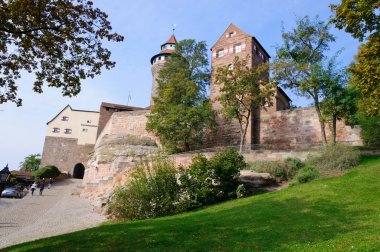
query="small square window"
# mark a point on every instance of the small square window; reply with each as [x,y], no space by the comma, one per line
[220,53]
[55,130]
[230,66]
[237,48]
[65,118]
[107,109]
[68,131]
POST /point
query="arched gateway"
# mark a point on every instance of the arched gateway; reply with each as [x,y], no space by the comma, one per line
[78,171]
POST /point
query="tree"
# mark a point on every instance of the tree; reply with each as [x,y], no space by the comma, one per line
[361,18]
[60,41]
[30,163]
[181,111]
[366,76]
[243,90]
[298,60]
[339,100]
[358,17]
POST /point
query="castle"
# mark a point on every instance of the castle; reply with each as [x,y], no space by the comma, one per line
[116,136]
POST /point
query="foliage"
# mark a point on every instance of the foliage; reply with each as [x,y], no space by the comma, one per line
[298,60]
[157,188]
[370,130]
[334,157]
[335,214]
[243,89]
[306,174]
[49,171]
[358,17]
[361,18]
[209,181]
[366,75]
[58,40]
[339,100]
[153,191]
[30,163]
[181,112]
[284,170]
[240,191]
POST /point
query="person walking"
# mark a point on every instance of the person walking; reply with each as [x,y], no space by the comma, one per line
[42,186]
[33,187]
[50,182]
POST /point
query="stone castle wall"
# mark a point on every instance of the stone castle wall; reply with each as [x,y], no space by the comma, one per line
[300,128]
[65,153]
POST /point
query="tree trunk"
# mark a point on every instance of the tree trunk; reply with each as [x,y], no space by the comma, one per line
[333,133]
[243,133]
[321,123]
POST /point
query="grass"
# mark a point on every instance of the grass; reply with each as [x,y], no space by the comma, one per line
[334,214]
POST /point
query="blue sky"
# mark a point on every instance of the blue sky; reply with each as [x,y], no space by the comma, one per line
[146,24]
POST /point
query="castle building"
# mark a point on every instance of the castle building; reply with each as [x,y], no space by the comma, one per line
[111,141]
[158,61]
[70,136]
[236,43]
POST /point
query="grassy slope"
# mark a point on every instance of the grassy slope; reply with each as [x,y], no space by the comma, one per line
[327,215]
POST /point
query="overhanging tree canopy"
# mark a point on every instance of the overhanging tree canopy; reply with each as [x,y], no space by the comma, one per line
[60,41]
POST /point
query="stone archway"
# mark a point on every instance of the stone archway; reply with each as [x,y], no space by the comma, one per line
[78,171]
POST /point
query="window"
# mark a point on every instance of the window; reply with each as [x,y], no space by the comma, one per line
[231,34]
[68,131]
[255,48]
[55,130]
[237,48]
[220,53]
[65,118]
[230,66]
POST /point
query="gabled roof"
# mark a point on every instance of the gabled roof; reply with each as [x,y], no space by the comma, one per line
[235,28]
[68,106]
[283,92]
[232,26]
[120,106]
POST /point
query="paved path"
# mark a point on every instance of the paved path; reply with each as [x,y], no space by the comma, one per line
[56,212]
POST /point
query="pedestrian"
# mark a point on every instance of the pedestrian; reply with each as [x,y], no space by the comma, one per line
[42,186]
[33,187]
[50,182]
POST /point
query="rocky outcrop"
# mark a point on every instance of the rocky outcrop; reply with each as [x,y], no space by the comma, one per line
[123,143]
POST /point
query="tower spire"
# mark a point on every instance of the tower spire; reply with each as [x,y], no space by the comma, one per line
[173,27]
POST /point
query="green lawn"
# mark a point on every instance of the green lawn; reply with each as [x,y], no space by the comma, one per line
[335,214]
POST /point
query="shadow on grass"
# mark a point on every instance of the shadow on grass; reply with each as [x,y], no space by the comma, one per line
[265,224]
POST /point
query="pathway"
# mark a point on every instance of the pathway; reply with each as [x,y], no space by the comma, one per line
[56,212]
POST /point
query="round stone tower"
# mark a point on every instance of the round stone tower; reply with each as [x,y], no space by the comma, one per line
[158,61]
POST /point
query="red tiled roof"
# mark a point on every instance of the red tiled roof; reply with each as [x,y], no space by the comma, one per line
[172,40]
[167,51]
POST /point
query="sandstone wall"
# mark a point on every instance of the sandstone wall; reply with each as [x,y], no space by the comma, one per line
[65,153]
[122,143]
[300,128]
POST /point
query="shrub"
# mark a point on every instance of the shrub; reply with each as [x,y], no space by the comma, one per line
[283,170]
[240,191]
[305,174]
[208,181]
[49,171]
[370,130]
[334,157]
[153,191]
